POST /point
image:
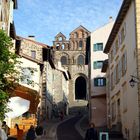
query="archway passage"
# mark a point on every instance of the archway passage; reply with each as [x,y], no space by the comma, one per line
[80,88]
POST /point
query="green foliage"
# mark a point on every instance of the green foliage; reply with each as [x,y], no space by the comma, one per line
[8,60]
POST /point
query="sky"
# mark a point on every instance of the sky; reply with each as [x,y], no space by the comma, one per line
[46,18]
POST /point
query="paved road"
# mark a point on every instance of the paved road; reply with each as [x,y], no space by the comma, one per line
[67,131]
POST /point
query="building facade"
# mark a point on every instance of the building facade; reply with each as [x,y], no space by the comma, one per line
[98,40]
[56,100]
[72,53]
[123,52]
[6,16]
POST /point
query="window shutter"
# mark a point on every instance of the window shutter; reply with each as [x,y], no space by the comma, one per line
[120,40]
[95,81]
[95,65]
[125,61]
[124,29]
[104,81]
[94,47]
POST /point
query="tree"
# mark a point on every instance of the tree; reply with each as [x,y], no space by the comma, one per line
[8,61]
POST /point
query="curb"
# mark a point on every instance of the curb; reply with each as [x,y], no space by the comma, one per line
[78,128]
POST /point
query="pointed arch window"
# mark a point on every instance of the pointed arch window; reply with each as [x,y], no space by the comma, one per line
[64,60]
[80,60]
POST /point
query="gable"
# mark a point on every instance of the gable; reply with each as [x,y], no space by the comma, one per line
[80,28]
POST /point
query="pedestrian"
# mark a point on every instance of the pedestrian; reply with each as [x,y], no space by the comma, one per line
[39,133]
[31,133]
[61,115]
[5,128]
[19,132]
[91,133]
[3,135]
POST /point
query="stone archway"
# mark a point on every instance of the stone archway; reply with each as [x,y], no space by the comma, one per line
[80,88]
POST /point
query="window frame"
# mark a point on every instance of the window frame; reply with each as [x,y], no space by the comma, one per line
[99,81]
[98,47]
[33,54]
[96,64]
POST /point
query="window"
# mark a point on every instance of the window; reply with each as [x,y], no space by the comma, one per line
[80,60]
[112,85]
[123,33]
[63,46]
[117,73]
[98,47]
[26,75]
[116,45]
[33,54]
[60,38]
[98,64]
[124,88]
[64,60]
[111,55]
[75,35]
[119,70]
[80,44]
[124,63]
[57,46]
[100,81]
[113,111]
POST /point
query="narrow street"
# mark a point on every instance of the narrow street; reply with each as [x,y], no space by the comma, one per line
[67,130]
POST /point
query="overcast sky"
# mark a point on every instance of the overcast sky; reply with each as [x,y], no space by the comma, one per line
[45,18]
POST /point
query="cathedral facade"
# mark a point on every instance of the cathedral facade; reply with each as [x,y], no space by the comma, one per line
[72,53]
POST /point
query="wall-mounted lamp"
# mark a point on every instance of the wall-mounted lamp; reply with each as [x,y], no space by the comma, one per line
[133,80]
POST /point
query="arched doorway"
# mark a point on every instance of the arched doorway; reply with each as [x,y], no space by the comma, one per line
[80,88]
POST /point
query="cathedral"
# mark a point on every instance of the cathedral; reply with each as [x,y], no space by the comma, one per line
[72,56]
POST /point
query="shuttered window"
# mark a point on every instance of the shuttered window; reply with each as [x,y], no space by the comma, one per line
[98,47]
[101,81]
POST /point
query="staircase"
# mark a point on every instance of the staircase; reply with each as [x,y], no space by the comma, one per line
[78,110]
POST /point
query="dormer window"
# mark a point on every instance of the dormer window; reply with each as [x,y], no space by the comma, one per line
[33,54]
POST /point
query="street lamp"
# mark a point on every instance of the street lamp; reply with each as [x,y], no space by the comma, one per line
[133,80]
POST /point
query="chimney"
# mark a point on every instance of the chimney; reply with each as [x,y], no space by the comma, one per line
[31,37]
[110,19]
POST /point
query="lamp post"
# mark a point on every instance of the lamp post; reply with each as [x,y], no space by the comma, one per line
[133,80]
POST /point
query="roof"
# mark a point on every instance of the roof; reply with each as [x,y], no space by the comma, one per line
[38,43]
[105,65]
[80,28]
[30,58]
[121,15]
[59,34]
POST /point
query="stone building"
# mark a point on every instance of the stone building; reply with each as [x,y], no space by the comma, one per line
[6,16]
[123,71]
[56,100]
[33,56]
[71,53]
